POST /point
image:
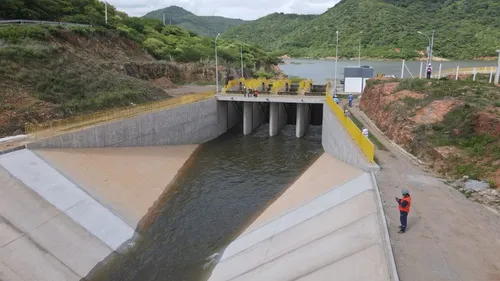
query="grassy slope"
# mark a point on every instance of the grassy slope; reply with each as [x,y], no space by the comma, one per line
[65,76]
[479,155]
[202,25]
[464,29]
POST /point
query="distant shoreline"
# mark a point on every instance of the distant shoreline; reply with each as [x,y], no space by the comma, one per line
[434,59]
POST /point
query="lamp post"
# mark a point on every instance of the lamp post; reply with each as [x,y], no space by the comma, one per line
[106,12]
[431,45]
[497,76]
[336,62]
[216,66]
[241,56]
[359,49]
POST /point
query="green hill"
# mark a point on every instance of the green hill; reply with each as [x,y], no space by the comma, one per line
[52,72]
[464,29]
[202,25]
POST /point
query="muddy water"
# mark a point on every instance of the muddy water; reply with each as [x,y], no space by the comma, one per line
[220,190]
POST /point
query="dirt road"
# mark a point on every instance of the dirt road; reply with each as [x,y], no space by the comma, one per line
[449,237]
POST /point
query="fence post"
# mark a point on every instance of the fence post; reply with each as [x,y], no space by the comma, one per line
[403,69]
[491,74]
[475,73]
[420,74]
[439,74]
[456,76]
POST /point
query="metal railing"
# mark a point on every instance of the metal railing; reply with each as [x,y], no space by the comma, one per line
[43,22]
[363,142]
[61,126]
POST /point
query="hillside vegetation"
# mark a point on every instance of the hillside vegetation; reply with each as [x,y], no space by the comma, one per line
[202,25]
[452,125]
[52,72]
[464,29]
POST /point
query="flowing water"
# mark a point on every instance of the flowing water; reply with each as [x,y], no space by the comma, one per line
[322,70]
[220,190]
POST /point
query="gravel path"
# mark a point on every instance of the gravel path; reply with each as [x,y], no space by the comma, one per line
[448,237]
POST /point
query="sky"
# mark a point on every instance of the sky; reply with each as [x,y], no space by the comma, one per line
[247,10]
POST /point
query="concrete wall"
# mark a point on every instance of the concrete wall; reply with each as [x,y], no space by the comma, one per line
[192,123]
[337,141]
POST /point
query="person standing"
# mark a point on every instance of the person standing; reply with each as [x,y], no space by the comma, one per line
[365,132]
[429,71]
[404,208]
[351,98]
[336,99]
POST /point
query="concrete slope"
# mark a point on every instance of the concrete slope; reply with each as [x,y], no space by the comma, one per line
[67,197]
[127,180]
[38,242]
[326,237]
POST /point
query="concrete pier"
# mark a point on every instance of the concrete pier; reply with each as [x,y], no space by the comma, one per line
[277,118]
[303,119]
[253,116]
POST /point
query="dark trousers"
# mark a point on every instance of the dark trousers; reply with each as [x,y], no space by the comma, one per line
[350,103]
[428,75]
[403,217]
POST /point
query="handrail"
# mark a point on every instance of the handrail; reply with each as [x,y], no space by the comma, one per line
[363,142]
[56,127]
[42,22]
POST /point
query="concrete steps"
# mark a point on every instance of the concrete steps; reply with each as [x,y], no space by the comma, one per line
[49,228]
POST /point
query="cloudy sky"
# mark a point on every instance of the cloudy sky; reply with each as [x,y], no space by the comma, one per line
[248,10]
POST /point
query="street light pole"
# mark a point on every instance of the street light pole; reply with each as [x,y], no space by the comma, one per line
[497,76]
[432,47]
[106,12]
[336,62]
[241,56]
[359,50]
[216,66]
[430,44]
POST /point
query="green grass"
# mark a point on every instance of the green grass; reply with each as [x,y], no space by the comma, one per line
[69,84]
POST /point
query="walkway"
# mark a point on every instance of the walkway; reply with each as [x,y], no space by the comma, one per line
[449,237]
[273,98]
[326,226]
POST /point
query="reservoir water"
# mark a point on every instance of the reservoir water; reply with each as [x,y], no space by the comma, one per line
[220,190]
[322,70]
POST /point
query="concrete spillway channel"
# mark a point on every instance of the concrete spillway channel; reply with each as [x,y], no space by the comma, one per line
[185,194]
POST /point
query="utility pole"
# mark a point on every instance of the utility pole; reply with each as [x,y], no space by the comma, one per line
[216,67]
[163,19]
[336,62]
[359,50]
[497,76]
[106,12]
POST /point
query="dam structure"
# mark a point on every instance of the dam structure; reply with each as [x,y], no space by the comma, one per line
[91,202]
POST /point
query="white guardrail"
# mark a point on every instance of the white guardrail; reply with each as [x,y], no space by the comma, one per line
[42,22]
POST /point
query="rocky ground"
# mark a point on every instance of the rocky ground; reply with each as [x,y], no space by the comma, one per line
[449,237]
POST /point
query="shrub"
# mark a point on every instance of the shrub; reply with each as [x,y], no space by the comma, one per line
[16,33]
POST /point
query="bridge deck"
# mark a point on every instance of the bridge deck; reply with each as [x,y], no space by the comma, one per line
[272,98]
